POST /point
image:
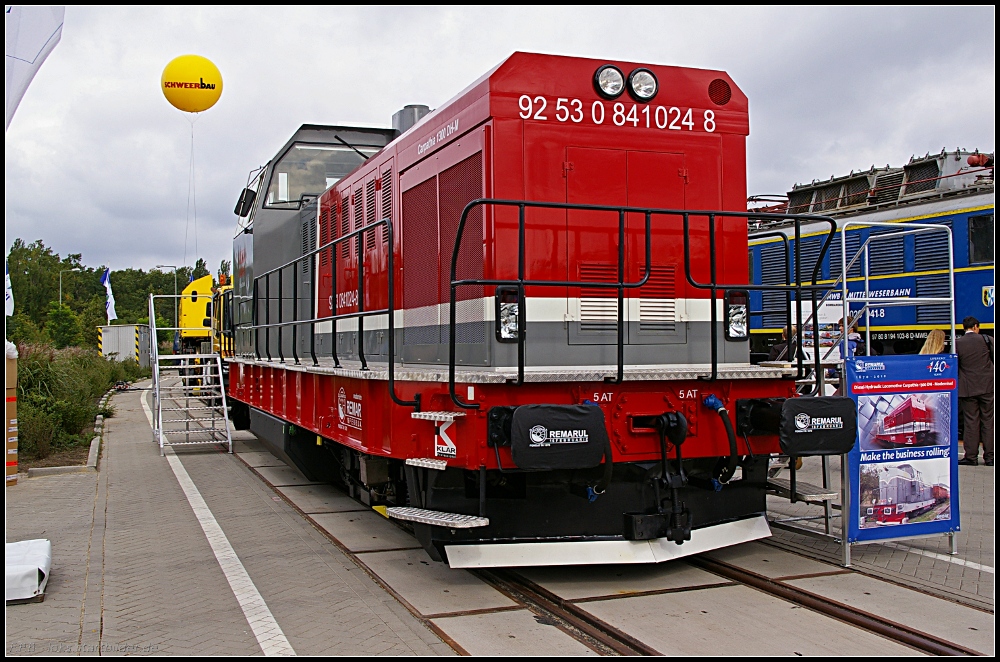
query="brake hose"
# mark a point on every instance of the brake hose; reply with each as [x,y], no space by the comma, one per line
[727,470]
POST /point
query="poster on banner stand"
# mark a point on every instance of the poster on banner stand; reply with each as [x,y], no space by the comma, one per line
[903,470]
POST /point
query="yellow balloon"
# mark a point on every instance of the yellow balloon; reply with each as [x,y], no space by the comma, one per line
[191,83]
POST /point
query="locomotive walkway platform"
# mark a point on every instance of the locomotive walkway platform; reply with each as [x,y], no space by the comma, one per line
[203,552]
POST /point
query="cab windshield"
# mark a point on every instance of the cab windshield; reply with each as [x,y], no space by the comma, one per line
[310,169]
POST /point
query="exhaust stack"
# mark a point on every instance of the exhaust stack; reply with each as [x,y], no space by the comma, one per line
[403,120]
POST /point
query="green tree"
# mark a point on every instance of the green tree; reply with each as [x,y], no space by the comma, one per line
[34,273]
[93,315]
[200,269]
[34,278]
[869,486]
[63,325]
[20,329]
[224,268]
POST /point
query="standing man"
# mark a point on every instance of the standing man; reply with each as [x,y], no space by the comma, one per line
[784,350]
[975,392]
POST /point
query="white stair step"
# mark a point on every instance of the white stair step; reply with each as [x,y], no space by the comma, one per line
[437,518]
[191,420]
[427,463]
[177,433]
[191,388]
[803,491]
[439,416]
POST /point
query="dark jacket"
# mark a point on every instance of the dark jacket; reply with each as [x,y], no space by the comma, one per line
[975,365]
[778,352]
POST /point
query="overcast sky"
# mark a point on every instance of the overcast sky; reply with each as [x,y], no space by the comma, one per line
[97,160]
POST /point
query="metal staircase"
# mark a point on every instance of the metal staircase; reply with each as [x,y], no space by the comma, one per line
[189,396]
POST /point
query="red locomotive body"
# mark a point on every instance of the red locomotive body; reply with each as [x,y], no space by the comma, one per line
[524,257]
[909,424]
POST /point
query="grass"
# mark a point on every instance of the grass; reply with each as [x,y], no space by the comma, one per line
[58,392]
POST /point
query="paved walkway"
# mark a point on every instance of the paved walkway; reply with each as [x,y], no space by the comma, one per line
[967,577]
[133,570]
[138,570]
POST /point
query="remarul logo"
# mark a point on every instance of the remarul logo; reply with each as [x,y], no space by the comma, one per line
[806,423]
[802,422]
[542,437]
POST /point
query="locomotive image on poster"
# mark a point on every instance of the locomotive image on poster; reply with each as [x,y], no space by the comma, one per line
[904,494]
[909,424]
[518,322]
[902,421]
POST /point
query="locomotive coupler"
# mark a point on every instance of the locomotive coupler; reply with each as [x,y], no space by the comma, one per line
[673,425]
[676,524]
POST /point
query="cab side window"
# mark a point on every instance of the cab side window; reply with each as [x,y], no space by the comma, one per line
[980,239]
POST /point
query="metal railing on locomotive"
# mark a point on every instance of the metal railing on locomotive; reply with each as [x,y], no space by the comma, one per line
[841,286]
[261,291]
[255,328]
[205,382]
[713,286]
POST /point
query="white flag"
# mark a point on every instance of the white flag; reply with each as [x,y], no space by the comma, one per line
[110,305]
[9,301]
[30,35]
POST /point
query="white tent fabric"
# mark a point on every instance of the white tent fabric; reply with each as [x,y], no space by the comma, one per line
[30,35]
[27,568]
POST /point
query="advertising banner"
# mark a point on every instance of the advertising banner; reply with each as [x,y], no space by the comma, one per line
[903,470]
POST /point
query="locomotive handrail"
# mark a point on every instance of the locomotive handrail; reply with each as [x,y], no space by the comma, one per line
[521,282]
[911,228]
[839,285]
[360,314]
[788,295]
[843,278]
[713,286]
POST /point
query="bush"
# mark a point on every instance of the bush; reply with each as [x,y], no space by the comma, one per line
[58,390]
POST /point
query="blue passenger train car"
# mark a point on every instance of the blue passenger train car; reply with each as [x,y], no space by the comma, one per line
[954,189]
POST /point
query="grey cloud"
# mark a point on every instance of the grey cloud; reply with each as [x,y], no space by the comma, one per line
[97,161]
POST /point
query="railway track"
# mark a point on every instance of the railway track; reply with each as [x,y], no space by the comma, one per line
[603,638]
[621,643]
[903,634]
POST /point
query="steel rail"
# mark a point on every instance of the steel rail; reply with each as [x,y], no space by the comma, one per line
[528,592]
[882,627]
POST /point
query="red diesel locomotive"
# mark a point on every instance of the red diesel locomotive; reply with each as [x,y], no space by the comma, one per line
[909,424]
[499,322]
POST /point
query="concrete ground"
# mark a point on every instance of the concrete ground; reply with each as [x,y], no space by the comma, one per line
[925,563]
[288,567]
[133,571]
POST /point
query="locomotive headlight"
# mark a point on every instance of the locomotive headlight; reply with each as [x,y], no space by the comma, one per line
[609,81]
[737,314]
[507,313]
[642,85]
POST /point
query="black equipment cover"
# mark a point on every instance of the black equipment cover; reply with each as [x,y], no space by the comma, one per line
[559,437]
[818,426]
